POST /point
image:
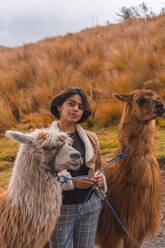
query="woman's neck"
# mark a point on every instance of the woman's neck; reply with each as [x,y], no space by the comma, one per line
[67,127]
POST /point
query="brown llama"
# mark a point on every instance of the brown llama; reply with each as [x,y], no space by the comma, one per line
[134,183]
[29,210]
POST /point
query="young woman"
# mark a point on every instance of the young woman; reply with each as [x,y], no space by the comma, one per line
[71,107]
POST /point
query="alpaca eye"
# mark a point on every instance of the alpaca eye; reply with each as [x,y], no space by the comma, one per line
[141,101]
[48,148]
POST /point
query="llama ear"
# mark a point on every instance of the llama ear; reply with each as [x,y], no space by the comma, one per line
[20,137]
[123,97]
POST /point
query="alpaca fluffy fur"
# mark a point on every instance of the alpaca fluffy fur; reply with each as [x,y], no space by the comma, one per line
[30,208]
[134,183]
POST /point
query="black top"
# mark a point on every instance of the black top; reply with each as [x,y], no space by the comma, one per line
[77,196]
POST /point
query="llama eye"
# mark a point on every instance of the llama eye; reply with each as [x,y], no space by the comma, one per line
[48,148]
[141,101]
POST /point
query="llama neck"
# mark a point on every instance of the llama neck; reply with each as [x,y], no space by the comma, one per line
[137,137]
[36,194]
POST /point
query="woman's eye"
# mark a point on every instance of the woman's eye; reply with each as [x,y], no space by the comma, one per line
[81,107]
[71,104]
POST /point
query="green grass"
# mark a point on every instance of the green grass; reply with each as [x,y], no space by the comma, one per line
[108,141]
[108,145]
[4,165]
[8,149]
[160,143]
[5,174]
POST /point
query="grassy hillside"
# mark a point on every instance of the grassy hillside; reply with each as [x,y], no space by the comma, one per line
[102,60]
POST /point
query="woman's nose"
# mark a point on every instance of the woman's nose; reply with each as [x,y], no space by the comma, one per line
[76,107]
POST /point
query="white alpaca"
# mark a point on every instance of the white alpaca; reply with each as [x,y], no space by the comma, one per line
[29,210]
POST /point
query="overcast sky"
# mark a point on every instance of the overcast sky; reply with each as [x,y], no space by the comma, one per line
[25,21]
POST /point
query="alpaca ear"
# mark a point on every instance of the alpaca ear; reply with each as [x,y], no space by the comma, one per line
[20,137]
[123,97]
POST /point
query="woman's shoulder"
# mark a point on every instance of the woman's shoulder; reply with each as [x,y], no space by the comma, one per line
[90,132]
[91,135]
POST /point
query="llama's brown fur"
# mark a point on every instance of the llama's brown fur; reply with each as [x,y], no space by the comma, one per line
[134,183]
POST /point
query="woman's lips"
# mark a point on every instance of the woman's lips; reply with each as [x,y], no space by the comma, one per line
[75,115]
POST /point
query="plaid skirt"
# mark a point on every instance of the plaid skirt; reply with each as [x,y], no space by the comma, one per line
[85,230]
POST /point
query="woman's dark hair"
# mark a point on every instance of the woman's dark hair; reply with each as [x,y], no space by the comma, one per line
[64,95]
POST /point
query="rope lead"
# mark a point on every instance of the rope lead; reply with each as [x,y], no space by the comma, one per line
[63,179]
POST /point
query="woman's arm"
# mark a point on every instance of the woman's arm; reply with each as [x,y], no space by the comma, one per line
[100,178]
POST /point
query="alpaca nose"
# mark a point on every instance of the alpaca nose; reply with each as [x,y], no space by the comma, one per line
[75,155]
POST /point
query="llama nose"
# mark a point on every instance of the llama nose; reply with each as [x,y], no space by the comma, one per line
[158,104]
[75,155]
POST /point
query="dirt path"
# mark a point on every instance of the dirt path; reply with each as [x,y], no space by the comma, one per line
[159,240]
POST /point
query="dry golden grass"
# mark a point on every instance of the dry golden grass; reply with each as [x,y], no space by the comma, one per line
[102,60]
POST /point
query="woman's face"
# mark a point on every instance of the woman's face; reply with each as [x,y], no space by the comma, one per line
[72,109]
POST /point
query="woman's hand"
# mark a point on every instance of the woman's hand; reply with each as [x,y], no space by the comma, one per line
[99,180]
[84,183]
